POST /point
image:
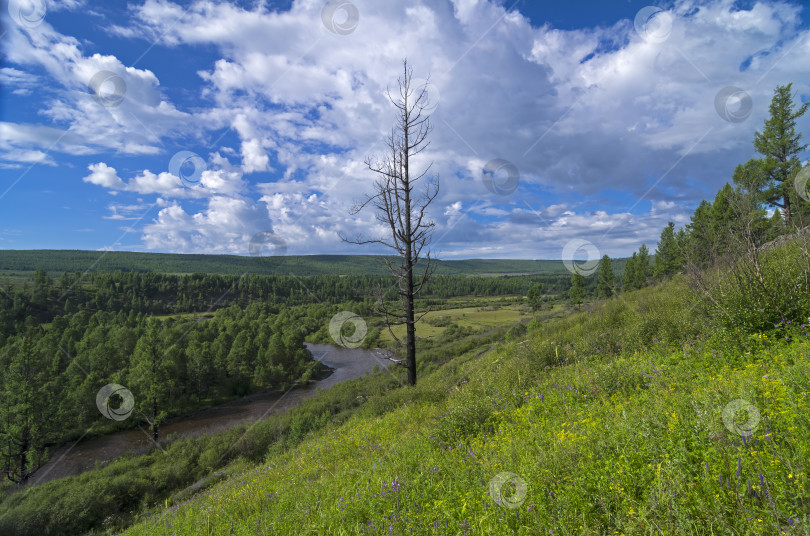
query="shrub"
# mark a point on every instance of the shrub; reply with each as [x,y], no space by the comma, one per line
[466,414]
[757,292]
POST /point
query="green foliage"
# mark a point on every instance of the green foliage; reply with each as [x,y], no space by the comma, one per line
[642,268]
[27,403]
[668,257]
[161,294]
[780,145]
[577,291]
[171,366]
[466,414]
[58,261]
[753,297]
[535,296]
[631,438]
[700,244]
[438,321]
[629,277]
[637,269]
[516,332]
[185,362]
[605,278]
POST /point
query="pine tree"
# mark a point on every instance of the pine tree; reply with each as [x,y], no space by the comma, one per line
[151,377]
[629,278]
[577,291]
[26,411]
[668,258]
[701,243]
[780,145]
[605,278]
[642,266]
[728,220]
[535,296]
[750,179]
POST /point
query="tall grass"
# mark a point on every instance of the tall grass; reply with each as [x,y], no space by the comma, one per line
[640,416]
[605,422]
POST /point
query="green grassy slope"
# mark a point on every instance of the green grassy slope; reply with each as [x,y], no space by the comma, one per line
[609,421]
[57,261]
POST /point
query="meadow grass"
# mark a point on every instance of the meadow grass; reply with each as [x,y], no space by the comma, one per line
[628,419]
[490,314]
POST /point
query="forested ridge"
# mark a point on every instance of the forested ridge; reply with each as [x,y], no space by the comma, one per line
[57,261]
[41,298]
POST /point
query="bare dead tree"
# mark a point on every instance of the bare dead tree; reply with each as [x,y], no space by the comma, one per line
[402,210]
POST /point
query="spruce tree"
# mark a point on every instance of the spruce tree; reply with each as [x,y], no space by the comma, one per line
[577,291]
[605,278]
[26,411]
[629,278]
[151,377]
[642,266]
[780,145]
[535,296]
[701,242]
[667,255]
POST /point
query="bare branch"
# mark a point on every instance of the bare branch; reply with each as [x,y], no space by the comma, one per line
[397,208]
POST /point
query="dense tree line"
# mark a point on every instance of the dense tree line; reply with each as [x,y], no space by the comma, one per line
[62,340]
[43,298]
[53,373]
[737,221]
[58,261]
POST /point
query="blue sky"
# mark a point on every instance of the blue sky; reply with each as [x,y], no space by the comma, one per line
[608,111]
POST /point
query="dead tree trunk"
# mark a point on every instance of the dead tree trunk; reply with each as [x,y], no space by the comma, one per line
[398,208]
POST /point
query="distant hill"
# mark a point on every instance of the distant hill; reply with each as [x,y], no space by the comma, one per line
[58,261]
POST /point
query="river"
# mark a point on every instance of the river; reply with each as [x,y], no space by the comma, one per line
[80,456]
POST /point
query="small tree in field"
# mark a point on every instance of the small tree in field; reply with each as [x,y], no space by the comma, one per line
[577,291]
[399,208]
[535,296]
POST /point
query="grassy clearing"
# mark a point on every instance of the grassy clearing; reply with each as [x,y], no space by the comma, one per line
[608,422]
[482,317]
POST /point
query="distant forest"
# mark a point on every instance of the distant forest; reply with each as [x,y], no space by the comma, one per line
[57,261]
[41,298]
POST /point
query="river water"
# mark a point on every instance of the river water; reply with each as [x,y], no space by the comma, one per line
[75,458]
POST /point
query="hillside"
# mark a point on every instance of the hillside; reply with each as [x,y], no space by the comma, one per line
[616,421]
[638,416]
[58,261]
